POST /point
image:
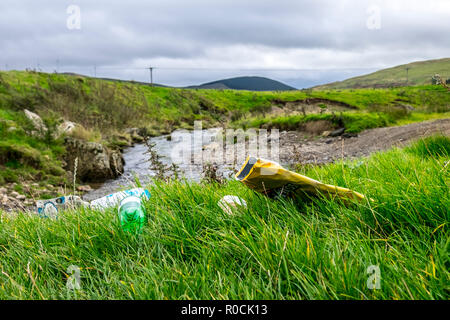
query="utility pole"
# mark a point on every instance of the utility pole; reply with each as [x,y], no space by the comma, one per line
[407,69]
[151,75]
[95,71]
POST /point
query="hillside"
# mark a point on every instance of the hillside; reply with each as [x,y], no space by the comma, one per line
[419,73]
[246,83]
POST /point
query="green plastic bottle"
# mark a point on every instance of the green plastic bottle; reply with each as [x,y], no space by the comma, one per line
[132,214]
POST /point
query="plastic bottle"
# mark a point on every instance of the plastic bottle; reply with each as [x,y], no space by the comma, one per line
[50,208]
[229,203]
[132,214]
[112,200]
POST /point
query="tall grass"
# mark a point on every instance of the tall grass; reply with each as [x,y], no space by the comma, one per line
[273,249]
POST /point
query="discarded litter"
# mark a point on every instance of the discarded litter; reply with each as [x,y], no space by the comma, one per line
[114,199]
[49,208]
[132,214]
[229,203]
[127,209]
[271,179]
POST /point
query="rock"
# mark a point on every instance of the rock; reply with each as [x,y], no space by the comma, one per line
[337,132]
[65,128]
[326,133]
[135,134]
[21,197]
[37,122]
[116,162]
[15,194]
[122,140]
[3,200]
[349,135]
[85,188]
[137,138]
[3,190]
[96,163]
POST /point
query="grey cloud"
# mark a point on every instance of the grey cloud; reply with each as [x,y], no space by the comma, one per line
[303,34]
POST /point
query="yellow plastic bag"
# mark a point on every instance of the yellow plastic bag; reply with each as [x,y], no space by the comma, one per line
[272,179]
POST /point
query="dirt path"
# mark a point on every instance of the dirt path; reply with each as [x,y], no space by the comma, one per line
[295,148]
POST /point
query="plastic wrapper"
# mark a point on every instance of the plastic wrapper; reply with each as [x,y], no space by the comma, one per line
[273,180]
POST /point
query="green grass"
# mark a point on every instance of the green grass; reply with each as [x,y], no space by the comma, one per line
[438,146]
[274,249]
[419,73]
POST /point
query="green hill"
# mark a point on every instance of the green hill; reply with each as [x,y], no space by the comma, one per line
[419,73]
[246,83]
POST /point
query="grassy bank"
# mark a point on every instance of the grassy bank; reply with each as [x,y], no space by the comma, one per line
[274,249]
[353,122]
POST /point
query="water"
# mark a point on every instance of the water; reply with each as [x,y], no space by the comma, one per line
[137,162]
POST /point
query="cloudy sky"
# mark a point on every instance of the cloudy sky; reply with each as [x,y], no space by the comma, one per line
[299,42]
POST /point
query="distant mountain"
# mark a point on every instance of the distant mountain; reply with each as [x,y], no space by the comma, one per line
[418,73]
[246,83]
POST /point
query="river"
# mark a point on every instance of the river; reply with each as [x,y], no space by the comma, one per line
[137,163]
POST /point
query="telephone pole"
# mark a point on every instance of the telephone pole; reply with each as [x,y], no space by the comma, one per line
[151,75]
[407,70]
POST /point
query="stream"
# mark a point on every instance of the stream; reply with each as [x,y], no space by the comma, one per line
[137,162]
